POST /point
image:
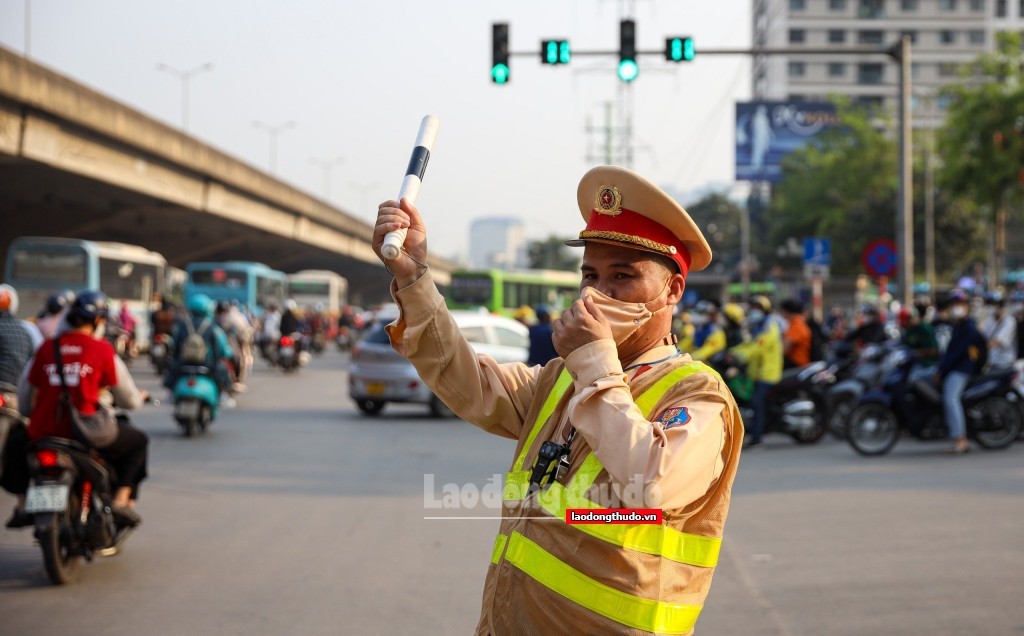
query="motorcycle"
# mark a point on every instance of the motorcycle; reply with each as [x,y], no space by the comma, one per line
[852,375]
[196,399]
[9,415]
[159,352]
[289,351]
[908,401]
[796,404]
[69,496]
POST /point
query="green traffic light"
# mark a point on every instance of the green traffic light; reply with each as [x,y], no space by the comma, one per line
[628,70]
[552,52]
[563,52]
[689,52]
[499,73]
[676,49]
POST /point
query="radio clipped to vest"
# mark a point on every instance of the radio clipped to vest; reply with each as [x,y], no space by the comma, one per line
[543,472]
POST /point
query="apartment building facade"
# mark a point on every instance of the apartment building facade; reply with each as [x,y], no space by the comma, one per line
[944,34]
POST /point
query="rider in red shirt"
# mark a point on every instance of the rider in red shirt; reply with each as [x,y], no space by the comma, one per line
[91,369]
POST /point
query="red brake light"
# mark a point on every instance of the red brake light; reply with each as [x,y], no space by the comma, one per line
[3,402]
[190,382]
[47,458]
[286,341]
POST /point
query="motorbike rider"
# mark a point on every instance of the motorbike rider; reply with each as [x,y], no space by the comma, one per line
[271,332]
[964,356]
[734,318]
[1001,333]
[763,355]
[49,319]
[290,322]
[708,336]
[16,347]
[201,309]
[796,343]
[918,335]
[871,330]
[95,378]
[239,333]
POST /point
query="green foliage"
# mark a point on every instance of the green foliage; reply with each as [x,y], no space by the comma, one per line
[842,187]
[719,220]
[552,253]
[982,141]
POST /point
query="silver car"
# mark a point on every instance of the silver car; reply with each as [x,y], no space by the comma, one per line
[379,375]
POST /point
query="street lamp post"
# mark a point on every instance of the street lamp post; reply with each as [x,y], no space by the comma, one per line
[273,131]
[326,165]
[185,76]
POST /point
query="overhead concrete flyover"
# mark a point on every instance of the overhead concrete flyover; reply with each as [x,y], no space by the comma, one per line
[75,163]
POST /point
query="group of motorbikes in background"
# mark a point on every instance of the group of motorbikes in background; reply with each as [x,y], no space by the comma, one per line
[873,393]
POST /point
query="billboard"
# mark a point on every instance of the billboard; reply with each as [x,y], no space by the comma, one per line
[768,131]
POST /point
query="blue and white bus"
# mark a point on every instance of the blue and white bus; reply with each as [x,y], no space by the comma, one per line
[253,285]
[128,274]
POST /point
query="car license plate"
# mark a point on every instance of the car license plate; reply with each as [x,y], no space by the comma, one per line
[188,408]
[287,352]
[158,351]
[49,498]
[376,388]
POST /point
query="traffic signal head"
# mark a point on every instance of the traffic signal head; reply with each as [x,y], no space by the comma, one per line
[499,53]
[628,69]
[680,49]
[555,52]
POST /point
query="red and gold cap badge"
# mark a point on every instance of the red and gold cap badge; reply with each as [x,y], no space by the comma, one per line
[608,201]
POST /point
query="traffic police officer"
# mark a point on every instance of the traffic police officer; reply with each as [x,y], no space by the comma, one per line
[622,419]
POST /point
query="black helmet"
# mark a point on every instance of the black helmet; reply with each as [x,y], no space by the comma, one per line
[57,302]
[88,306]
[223,306]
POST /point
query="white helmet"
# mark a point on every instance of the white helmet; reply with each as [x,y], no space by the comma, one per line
[8,299]
[291,304]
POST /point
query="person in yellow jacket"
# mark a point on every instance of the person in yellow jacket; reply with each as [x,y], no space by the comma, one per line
[709,337]
[620,420]
[763,355]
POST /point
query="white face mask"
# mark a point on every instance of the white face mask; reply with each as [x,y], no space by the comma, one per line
[625,318]
[958,312]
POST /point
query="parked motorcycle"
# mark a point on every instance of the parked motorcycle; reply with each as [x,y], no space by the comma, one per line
[196,399]
[796,405]
[69,496]
[908,401]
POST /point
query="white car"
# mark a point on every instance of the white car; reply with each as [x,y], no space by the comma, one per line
[379,375]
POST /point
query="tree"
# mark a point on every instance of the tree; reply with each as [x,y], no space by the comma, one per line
[552,253]
[982,141]
[842,187]
[719,219]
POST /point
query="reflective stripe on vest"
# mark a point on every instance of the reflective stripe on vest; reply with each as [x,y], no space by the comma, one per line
[659,540]
[621,607]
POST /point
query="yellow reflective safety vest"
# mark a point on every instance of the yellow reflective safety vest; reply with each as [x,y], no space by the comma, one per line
[547,576]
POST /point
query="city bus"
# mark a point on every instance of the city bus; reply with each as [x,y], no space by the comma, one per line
[253,285]
[312,287]
[502,292]
[128,274]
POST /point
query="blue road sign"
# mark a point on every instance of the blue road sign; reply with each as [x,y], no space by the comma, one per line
[879,258]
[817,251]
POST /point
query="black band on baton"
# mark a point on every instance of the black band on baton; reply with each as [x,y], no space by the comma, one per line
[418,162]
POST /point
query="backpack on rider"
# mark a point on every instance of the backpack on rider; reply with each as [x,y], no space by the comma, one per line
[194,349]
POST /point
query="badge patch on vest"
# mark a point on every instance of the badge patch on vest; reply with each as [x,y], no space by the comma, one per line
[674,417]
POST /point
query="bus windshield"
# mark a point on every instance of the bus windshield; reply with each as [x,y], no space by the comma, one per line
[220,278]
[48,265]
[472,291]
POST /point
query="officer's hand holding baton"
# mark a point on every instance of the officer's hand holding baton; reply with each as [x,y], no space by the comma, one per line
[394,215]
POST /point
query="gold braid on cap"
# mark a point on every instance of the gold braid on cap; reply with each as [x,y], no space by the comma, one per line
[628,238]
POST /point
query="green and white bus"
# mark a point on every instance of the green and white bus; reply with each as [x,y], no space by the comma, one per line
[503,292]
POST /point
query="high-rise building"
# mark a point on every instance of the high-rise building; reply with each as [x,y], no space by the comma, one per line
[498,242]
[944,35]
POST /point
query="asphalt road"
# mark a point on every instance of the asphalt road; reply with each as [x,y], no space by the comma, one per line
[297,515]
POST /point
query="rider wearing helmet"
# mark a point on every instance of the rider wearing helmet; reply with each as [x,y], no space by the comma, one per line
[201,314]
[734,317]
[96,379]
[53,312]
[708,337]
[763,355]
[15,342]
[289,320]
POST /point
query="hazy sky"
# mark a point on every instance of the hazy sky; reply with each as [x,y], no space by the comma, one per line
[357,77]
